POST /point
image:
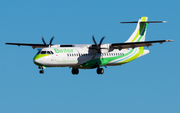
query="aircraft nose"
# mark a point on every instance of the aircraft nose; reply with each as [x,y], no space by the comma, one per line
[37,60]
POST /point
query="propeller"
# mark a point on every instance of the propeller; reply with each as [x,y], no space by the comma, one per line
[50,43]
[98,46]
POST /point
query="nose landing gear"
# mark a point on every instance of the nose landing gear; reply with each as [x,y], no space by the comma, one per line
[41,71]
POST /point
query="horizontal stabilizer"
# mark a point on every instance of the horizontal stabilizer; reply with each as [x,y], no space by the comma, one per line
[146,22]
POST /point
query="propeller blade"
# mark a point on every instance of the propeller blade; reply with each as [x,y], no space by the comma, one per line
[51,41]
[98,46]
[101,40]
[44,41]
[94,40]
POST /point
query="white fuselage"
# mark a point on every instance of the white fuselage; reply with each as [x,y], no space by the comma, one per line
[75,56]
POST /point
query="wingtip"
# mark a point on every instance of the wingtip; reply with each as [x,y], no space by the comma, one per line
[169,40]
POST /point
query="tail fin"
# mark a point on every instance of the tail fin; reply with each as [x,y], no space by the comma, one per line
[140,31]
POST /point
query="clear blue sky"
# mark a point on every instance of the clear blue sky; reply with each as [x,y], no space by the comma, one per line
[150,84]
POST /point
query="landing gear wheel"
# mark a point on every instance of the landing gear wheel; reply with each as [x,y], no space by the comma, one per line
[75,71]
[41,71]
[100,70]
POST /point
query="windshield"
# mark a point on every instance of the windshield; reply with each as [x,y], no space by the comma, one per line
[45,52]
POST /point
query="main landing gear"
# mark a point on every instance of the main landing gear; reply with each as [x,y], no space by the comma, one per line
[75,71]
[41,71]
[100,71]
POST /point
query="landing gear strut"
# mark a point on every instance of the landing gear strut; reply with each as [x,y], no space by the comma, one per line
[75,71]
[41,71]
[100,70]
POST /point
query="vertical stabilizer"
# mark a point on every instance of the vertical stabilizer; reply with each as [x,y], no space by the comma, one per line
[140,31]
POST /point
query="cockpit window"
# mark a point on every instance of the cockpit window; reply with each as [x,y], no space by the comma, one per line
[51,52]
[43,52]
[48,52]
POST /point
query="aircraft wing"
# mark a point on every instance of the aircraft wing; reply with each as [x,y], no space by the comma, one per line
[136,44]
[29,44]
[113,45]
[46,45]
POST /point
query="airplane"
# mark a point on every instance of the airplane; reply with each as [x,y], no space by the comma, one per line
[97,55]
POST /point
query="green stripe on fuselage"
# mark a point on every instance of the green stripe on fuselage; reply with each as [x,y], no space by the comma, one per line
[103,61]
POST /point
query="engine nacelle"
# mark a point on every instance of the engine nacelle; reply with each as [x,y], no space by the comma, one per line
[105,48]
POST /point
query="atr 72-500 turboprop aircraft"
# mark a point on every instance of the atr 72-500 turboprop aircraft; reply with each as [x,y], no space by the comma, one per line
[89,56]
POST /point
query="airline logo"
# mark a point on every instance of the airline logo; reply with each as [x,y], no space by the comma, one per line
[63,50]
